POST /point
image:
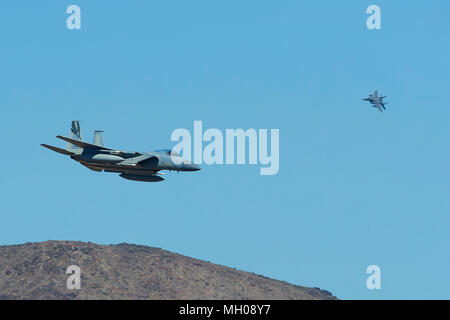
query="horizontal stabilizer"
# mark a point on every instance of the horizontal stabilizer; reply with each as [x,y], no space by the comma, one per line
[82,144]
[68,153]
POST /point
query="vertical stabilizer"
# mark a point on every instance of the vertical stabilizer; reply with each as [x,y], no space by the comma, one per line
[98,140]
[75,133]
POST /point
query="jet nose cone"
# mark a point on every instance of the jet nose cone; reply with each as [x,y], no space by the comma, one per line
[190,167]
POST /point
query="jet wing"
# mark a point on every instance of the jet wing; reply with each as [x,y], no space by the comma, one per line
[378,106]
[93,168]
[68,153]
[83,144]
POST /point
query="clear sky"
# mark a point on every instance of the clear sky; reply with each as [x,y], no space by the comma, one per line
[356,187]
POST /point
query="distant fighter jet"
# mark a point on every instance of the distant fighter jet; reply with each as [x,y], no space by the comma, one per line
[377,101]
[131,165]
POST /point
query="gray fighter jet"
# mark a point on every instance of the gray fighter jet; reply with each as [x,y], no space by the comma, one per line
[131,165]
[377,101]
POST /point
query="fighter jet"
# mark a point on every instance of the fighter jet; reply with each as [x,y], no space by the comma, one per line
[377,101]
[134,166]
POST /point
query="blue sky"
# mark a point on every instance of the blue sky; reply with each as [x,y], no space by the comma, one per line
[355,187]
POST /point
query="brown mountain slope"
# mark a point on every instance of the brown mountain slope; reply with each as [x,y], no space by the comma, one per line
[38,271]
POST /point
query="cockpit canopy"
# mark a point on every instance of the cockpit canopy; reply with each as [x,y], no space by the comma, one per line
[169,152]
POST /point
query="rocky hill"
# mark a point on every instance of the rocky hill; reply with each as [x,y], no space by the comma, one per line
[124,271]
